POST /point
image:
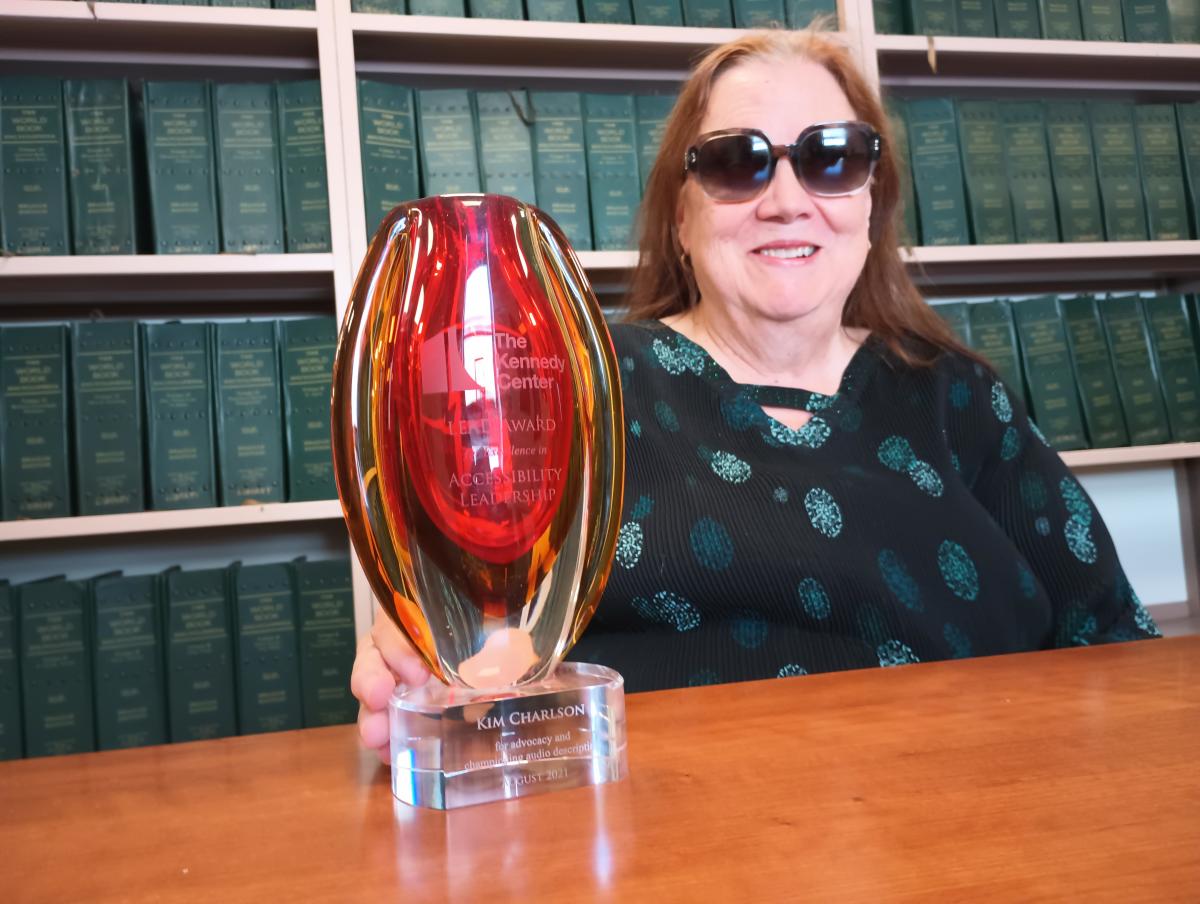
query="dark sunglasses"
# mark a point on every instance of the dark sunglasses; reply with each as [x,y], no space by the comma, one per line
[830,159]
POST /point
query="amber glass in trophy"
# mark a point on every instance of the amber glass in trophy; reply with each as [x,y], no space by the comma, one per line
[478,448]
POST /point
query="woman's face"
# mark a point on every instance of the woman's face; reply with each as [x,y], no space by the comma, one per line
[749,254]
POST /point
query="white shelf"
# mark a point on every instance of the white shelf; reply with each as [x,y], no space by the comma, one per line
[1085,459]
[156,522]
[1068,63]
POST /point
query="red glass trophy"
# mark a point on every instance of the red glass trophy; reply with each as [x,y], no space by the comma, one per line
[478,448]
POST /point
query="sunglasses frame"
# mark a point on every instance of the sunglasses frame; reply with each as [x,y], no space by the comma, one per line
[691,157]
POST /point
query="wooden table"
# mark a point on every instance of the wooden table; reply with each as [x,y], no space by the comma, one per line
[1067,775]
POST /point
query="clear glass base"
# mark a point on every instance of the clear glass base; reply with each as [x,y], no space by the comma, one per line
[453,747]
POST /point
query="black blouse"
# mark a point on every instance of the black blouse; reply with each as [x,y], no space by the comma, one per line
[918,515]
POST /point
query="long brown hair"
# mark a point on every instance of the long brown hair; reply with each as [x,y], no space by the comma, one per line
[883,300]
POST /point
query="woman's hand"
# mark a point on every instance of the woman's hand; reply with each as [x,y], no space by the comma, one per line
[385,658]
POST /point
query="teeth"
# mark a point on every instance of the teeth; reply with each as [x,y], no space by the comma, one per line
[788,253]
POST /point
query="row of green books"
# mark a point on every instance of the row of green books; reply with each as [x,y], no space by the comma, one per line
[120,661]
[704,13]
[107,416]
[1156,21]
[88,166]
[582,158]
[999,171]
[258,4]
[1117,371]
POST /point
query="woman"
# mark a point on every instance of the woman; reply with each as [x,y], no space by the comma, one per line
[818,476]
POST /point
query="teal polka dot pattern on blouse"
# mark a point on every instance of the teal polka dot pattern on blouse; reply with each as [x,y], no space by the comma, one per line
[823,512]
[960,395]
[899,581]
[642,508]
[635,428]
[668,609]
[896,454]
[711,544]
[850,419]
[629,544]
[1010,444]
[893,653]
[780,495]
[1038,433]
[741,412]
[627,364]
[685,356]
[749,630]
[818,402]
[1026,581]
[957,641]
[703,677]
[1001,406]
[958,571]
[814,598]
[791,670]
[665,416]
[729,467]
[1078,529]
[1042,526]
[811,435]
[1033,490]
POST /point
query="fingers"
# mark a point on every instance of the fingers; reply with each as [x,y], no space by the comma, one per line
[398,653]
[371,681]
[373,730]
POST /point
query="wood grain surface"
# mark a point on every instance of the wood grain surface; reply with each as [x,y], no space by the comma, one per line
[1065,775]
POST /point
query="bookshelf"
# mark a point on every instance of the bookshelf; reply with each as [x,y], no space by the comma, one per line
[337,46]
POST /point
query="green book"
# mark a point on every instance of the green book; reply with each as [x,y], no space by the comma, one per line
[1185,21]
[1094,376]
[33,190]
[994,335]
[610,138]
[302,163]
[506,144]
[36,473]
[1018,19]
[455,8]
[446,127]
[107,416]
[891,17]
[707,13]
[552,10]
[652,113]
[657,12]
[325,603]
[1162,171]
[756,13]
[1049,376]
[268,668]
[127,653]
[981,136]
[1188,117]
[607,11]
[201,699]
[1061,20]
[1133,365]
[1174,349]
[377,6]
[976,18]
[1073,166]
[295,4]
[249,418]
[388,135]
[907,228]
[179,160]
[1146,20]
[178,389]
[496,9]
[247,143]
[1035,217]
[937,171]
[12,743]
[1101,20]
[1118,171]
[259,4]
[957,315]
[100,166]
[56,668]
[933,17]
[306,350]
[560,165]
[801,13]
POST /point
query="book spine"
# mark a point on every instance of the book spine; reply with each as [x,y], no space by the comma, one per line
[560,165]
[454,8]
[1188,118]
[302,163]
[937,172]
[327,641]
[496,9]
[958,317]
[1162,172]
[306,355]
[1185,21]
[506,144]
[1018,19]
[1049,377]
[33,191]
[99,151]
[247,143]
[201,702]
[708,13]
[128,662]
[12,741]
[610,134]
[1146,20]
[908,228]
[179,160]
[249,418]
[652,113]
[976,18]
[613,12]
[1035,217]
[981,136]
[552,10]
[56,669]
[268,669]
[33,422]
[1098,396]
[890,17]
[1061,20]
[933,17]
[994,335]
[1118,171]
[446,128]
[1141,396]
[757,13]
[1101,20]
[179,422]
[388,134]
[1174,348]
[378,6]
[106,375]
[1073,167]
[657,12]
[294,4]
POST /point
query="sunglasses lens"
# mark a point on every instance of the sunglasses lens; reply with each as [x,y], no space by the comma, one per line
[836,160]
[733,167]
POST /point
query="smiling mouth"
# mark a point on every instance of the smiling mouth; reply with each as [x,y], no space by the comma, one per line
[791,252]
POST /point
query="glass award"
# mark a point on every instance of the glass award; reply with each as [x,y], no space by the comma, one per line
[478,447]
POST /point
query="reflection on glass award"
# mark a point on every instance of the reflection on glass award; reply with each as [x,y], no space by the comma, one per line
[478,448]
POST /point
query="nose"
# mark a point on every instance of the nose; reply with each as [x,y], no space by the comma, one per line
[785,198]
